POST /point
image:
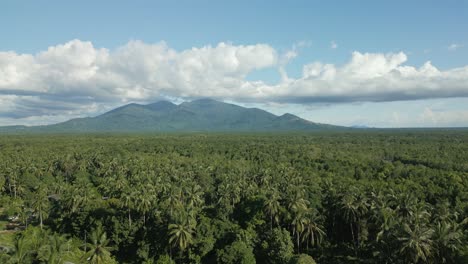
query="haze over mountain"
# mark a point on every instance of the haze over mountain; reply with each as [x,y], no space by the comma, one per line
[163,116]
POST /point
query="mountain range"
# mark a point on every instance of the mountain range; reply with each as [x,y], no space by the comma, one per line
[163,116]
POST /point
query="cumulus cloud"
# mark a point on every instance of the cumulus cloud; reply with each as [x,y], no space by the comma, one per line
[69,79]
[374,77]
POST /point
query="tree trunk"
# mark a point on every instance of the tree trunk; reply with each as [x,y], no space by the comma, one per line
[40,217]
[352,234]
[129,218]
[271,222]
[9,186]
[297,239]
[358,232]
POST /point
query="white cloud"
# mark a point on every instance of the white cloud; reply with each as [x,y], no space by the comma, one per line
[333,45]
[67,79]
[374,77]
[454,46]
[288,56]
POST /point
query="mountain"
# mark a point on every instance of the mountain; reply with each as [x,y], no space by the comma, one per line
[164,116]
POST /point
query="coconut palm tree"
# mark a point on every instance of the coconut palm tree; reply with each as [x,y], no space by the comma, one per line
[144,202]
[181,234]
[99,249]
[41,204]
[173,199]
[313,230]
[298,224]
[194,195]
[128,202]
[271,207]
[416,243]
[353,208]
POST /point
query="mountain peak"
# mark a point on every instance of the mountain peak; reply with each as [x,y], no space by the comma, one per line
[289,116]
[203,101]
[199,115]
[161,106]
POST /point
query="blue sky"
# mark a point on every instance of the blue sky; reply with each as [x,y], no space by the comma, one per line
[86,57]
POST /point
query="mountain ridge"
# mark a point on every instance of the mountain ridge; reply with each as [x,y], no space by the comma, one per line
[204,115]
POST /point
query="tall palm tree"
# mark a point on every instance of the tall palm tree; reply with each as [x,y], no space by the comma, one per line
[354,208]
[144,202]
[181,234]
[271,206]
[382,214]
[416,243]
[128,201]
[298,226]
[297,204]
[99,249]
[173,199]
[41,203]
[313,230]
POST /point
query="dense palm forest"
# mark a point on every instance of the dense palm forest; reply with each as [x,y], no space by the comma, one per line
[347,197]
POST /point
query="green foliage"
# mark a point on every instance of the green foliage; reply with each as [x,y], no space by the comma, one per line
[303,259]
[342,197]
[279,247]
[98,247]
[237,252]
[165,259]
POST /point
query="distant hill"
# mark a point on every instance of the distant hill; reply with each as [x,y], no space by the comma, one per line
[199,115]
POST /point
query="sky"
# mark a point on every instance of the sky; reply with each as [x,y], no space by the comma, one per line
[366,63]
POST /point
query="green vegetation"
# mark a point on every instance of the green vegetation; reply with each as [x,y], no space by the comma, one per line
[342,197]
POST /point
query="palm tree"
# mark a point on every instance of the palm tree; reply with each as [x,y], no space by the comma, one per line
[298,204]
[144,203]
[298,226]
[228,195]
[128,201]
[272,206]
[181,234]
[416,243]
[406,205]
[21,253]
[194,195]
[99,251]
[383,215]
[173,199]
[56,249]
[41,203]
[354,208]
[447,240]
[313,230]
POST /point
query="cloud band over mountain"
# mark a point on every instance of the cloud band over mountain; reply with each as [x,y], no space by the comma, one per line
[77,78]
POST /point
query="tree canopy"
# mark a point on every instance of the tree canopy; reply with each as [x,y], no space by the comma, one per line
[338,197]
